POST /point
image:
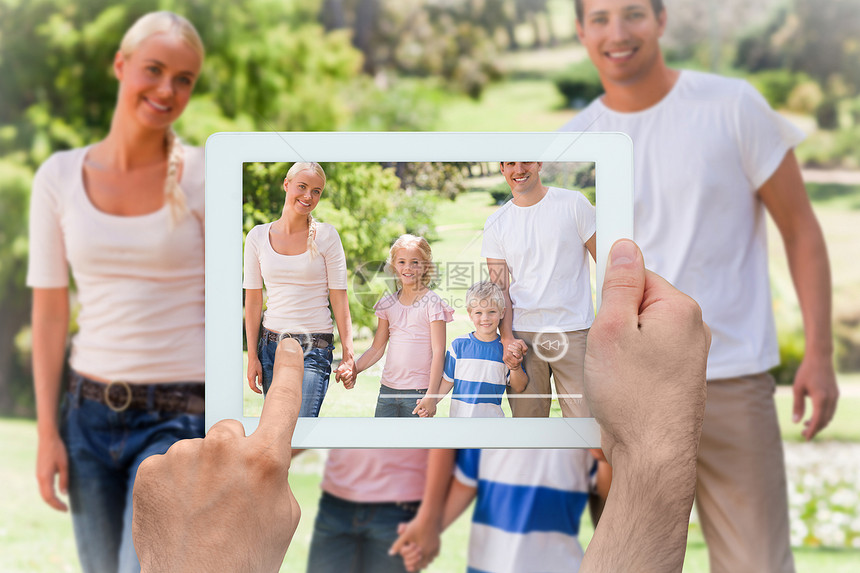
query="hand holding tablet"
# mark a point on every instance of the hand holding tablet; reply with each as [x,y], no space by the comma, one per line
[224,502]
[645,380]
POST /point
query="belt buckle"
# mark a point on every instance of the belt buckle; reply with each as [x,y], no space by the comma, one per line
[110,404]
[306,341]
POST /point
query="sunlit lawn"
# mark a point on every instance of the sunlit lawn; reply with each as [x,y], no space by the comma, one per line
[35,538]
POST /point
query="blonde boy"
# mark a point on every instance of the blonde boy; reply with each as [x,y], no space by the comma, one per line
[473,365]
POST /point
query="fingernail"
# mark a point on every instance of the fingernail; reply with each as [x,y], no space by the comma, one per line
[795,418]
[623,253]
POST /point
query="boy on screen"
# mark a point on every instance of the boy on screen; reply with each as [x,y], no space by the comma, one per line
[473,365]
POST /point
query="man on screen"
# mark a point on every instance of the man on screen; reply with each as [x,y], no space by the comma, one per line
[710,156]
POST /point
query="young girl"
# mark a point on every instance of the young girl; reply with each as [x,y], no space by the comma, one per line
[413,320]
[126,215]
[302,263]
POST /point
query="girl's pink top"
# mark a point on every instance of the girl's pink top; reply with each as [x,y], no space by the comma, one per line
[376,476]
[409,354]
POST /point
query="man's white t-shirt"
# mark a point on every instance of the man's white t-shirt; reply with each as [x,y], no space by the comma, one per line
[700,155]
[544,247]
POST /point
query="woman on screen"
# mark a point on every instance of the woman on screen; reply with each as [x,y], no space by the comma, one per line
[301,263]
[126,215]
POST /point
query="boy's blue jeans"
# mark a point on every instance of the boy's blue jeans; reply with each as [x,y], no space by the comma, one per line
[104,450]
[351,537]
[316,376]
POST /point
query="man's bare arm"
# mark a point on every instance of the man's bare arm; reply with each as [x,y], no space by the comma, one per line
[499,274]
[785,198]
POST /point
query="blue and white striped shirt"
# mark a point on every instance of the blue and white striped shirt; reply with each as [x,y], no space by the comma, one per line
[479,376]
[527,509]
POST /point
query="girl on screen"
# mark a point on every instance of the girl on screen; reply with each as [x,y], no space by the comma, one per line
[301,263]
[126,216]
[413,319]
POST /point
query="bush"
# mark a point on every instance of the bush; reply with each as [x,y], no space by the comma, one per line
[791,347]
[827,114]
[777,85]
[805,97]
[579,84]
[846,331]
[831,149]
[500,197]
[853,110]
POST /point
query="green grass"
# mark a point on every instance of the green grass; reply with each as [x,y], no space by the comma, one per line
[843,427]
[35,538]
[522,105]
[835,195]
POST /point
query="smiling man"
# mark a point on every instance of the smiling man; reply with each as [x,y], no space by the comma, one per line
[537,248]
[710,157]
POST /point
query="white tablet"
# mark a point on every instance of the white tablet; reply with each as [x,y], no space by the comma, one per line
[228,154]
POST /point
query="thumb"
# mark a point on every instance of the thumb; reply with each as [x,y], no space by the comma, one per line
[623,284]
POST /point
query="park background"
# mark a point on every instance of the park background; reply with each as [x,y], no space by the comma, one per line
[444,65]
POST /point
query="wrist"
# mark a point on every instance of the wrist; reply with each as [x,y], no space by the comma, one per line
[427,516]
[819,351]
[47,431]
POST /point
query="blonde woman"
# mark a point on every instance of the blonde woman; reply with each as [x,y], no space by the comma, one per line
[302,264]
[126,216]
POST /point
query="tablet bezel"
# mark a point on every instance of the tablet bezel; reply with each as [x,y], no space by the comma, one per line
[225,155]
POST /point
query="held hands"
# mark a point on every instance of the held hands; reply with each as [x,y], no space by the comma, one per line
[425,407]
[223,502]
[418,543]
[515,350]
[346,373]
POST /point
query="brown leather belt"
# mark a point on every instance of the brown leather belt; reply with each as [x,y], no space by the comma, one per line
[188,397]
[306,340]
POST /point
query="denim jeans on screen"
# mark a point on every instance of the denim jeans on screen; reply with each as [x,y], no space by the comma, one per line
[395,403]
[314,382]
[105,449]
[352,537]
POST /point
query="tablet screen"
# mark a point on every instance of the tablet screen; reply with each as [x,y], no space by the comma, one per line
[412,186]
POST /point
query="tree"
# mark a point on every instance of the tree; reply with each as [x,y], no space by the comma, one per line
[269,65]
[15,180]
[818,38]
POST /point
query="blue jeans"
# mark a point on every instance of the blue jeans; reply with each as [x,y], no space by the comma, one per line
[394,403]
[105,449]
[352,537]
[314,382]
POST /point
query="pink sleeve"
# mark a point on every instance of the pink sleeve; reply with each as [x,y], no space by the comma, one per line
[380,309]
[47,258]
[438,309]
